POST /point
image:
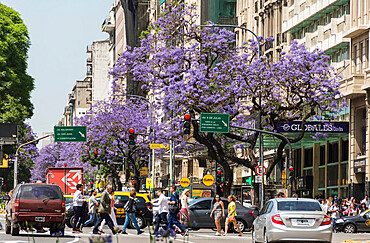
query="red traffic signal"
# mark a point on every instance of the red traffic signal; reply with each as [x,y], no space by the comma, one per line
[65,164]
[291,168]
[218,172]
[134,182]
[95,152]
[131,131]
[187,116]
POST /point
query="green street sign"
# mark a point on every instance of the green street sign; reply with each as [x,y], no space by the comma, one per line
[70,134]
[214,122]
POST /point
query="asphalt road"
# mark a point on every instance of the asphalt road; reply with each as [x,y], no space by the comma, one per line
[201,236]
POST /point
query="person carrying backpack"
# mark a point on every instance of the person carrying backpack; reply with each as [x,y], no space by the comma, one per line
[174,210]
[130,210]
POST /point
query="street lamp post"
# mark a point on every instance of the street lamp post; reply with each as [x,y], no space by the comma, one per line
[261,186]
[151,160]
[16,157]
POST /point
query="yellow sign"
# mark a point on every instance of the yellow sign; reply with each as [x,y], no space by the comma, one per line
[144,171]
[5,161]
[283,177]
[149,183]
[184,182]
[159,146]
[208,180]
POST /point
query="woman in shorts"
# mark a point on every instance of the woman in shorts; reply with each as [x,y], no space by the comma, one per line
[218,211]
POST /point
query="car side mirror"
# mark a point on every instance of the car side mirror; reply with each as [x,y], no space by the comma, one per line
[6,197]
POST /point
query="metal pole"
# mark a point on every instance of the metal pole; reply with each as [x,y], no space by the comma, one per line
[153,172]
[261,187]
[171,163]
[216,177]
[16,157]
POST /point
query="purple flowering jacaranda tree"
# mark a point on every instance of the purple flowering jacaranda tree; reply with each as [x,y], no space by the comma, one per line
[196,69]
[107,124]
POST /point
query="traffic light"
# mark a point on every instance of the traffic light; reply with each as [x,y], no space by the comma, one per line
[95,155]
[187,120]
[218,177]
[291,173]
[249,180]
[131,136]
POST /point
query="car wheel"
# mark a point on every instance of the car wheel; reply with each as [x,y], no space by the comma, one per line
[349,228]
[14,229]
[70,223]
[140,222]
[241,225]
[8,227]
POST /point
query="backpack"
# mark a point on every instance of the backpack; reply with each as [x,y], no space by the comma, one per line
[174,208]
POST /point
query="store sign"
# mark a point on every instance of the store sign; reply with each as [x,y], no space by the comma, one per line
[359,166]
[313,127]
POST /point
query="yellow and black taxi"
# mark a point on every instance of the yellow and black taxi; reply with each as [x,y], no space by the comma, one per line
[353,224]
[144,215]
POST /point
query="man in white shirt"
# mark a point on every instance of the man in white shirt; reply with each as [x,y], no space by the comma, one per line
[77,208]
[161,217]
[366,201]
[335,212]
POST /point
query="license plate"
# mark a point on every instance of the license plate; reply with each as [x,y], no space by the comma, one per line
[301,222]
[40,219]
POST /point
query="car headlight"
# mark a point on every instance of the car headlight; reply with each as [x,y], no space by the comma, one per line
[339,221]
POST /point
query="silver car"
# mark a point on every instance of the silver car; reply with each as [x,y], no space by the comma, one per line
[292,219]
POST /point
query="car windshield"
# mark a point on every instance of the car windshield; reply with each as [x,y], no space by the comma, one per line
[69,200]
[40,192]
[298,206]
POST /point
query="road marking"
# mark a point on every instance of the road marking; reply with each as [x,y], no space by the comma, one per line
[75,240]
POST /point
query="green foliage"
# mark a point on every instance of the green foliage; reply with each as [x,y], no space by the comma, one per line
[15,84]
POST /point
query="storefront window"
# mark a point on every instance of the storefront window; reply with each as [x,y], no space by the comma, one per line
[333,152]
[332,192]
[332,175]
[322,177]
[297,162]
[308,157]
[344,192]
[345,147]
[322,155]
[344,174]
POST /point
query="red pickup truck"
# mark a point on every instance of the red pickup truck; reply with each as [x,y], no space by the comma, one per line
[39,205]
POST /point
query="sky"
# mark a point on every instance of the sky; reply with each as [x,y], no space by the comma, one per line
[59,32]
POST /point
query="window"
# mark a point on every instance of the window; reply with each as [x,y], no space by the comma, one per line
[344,53]
[346,9]
[345,147]
[40,192]
[119,199]
[308,157]
[206,204]
[322,155]
[333,152]
[322,177]
[264,209]
[78,102]
[344,174]
[332,175]
[298,206]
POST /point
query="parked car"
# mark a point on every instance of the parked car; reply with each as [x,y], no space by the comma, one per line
[120,198]
[36,205]
[354,224]
[68,199]
[200,210]
[292,219]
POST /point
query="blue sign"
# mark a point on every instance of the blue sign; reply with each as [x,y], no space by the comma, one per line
[313,127]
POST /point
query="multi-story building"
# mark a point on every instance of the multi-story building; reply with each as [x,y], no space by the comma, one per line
[339,164]
[79,102]
[356,87]
[98,70]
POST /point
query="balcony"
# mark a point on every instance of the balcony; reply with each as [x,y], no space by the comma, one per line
[108,25]
[89,73]
[88,100]
[71,98]
[351,87]
[89,61]
[343,68]
[88,49]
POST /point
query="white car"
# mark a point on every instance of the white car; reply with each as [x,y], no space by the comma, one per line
[292,219]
